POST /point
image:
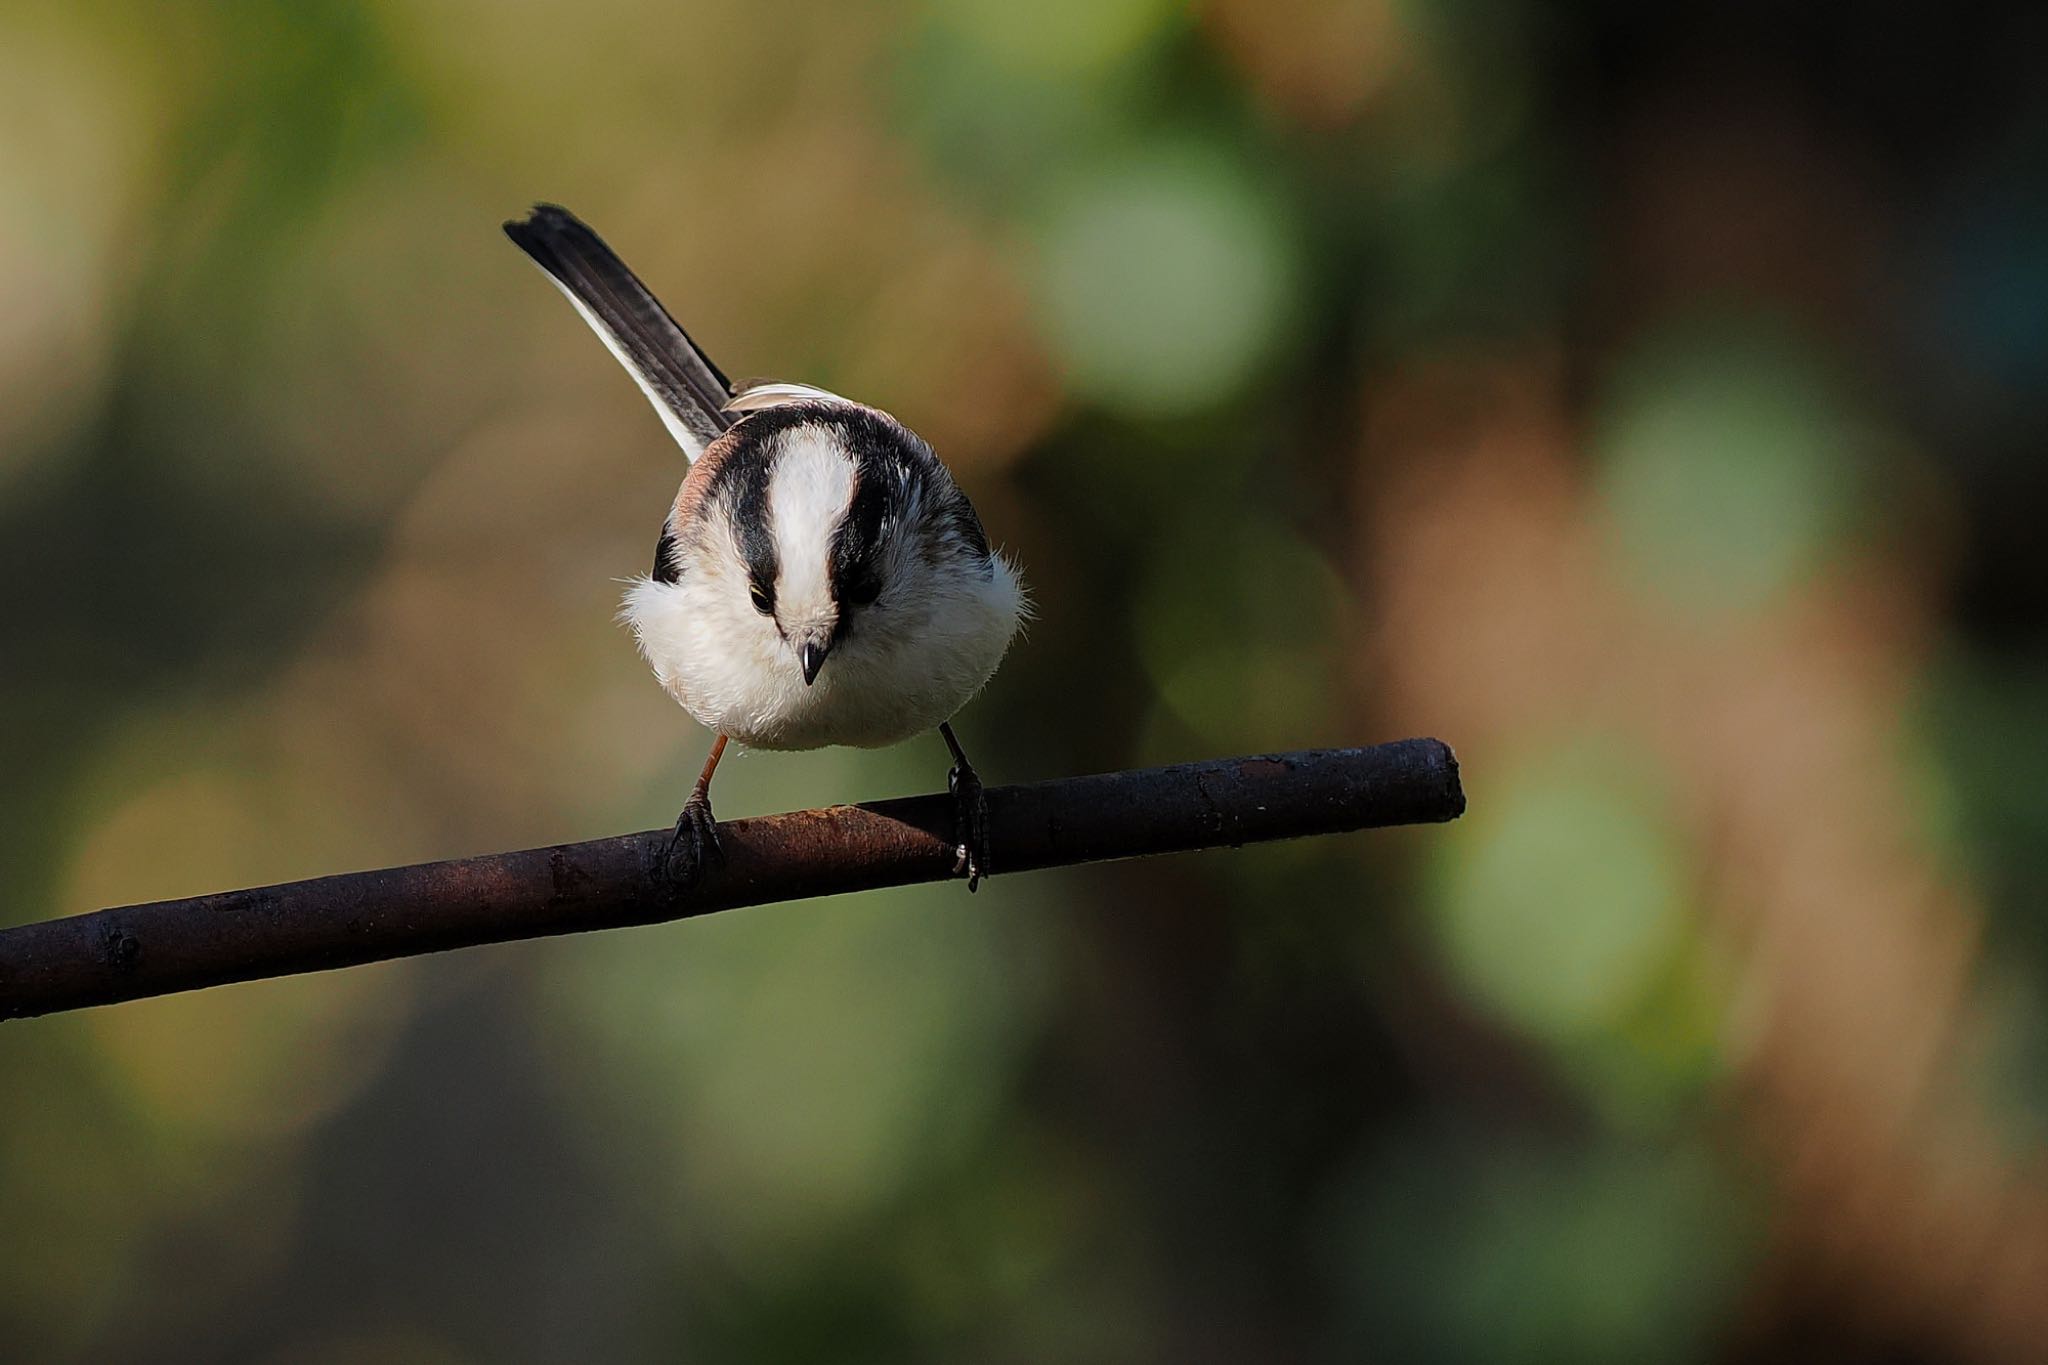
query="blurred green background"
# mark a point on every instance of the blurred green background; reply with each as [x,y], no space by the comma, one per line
[1651,403]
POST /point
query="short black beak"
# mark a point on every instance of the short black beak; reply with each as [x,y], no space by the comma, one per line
[812,657]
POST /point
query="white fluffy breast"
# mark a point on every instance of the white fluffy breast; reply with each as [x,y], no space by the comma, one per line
[898,674]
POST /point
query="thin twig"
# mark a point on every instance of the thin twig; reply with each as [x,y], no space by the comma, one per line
[144,950]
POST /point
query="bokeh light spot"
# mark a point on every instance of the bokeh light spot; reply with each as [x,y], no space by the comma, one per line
[1058,37]
[1463,1251]
[797,1067]
[1165,283]
[259,1059]
[1726,455]
[1561,898]
[1235,629]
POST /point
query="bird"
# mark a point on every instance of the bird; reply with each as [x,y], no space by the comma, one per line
[819,578]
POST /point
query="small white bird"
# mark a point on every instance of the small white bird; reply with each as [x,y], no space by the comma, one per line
[819,579]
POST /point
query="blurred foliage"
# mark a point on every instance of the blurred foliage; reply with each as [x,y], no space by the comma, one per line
[1647,402]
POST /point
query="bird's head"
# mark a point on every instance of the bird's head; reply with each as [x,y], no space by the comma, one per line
[837,529]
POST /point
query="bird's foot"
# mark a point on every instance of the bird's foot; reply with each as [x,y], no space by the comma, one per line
[970,824]
[693,844]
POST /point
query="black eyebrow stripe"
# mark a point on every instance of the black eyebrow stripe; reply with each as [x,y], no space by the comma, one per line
[857,539]
[665,570]
[746,475]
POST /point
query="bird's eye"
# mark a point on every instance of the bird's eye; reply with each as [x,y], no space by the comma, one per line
[862,591]
[763,602]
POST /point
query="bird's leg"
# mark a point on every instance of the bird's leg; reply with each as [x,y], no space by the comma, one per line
[970,815]
[696,832]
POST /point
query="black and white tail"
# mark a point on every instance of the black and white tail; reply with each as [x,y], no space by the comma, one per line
[689,393]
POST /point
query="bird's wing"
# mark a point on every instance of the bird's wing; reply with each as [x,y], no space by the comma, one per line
[689,393]
[754,395]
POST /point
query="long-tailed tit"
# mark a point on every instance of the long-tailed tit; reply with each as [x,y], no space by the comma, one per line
[819,578]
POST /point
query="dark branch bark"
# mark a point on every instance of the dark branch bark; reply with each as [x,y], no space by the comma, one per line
[166,946]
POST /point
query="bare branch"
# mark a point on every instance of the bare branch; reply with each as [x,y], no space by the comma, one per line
[342,921]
